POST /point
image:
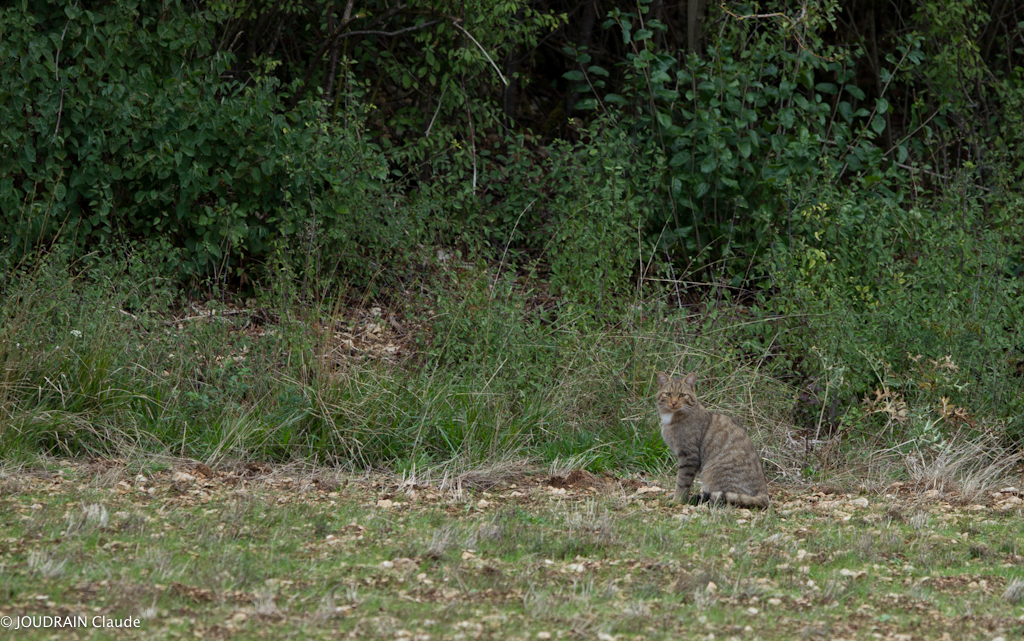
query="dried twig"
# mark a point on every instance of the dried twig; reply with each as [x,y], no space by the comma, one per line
[437,111]
[389,33]
[56,76]
[455,23]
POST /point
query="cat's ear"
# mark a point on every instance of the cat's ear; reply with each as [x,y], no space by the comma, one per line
[691,379]
[663,379]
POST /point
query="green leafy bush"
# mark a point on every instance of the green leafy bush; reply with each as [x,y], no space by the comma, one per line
[126,120]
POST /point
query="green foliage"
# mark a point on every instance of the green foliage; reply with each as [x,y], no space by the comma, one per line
[859,200]
[606,191]
[883,290]
[125,122]
[742,125]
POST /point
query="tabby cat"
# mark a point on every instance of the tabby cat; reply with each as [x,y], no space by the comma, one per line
[714,444]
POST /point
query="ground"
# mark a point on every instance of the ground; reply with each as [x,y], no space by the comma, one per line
[256,551]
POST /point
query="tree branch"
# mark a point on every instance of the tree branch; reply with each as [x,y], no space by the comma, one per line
[389,33]
[455,23]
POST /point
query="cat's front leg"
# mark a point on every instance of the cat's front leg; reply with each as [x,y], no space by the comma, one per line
[688,467]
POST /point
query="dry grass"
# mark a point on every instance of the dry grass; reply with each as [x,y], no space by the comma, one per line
[971,466]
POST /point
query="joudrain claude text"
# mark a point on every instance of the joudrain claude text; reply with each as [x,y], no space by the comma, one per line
[50,622]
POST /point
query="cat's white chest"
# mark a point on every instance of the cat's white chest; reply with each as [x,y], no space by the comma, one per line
[666,418]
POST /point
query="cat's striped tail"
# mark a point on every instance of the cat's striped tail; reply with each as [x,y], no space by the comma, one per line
[736,498]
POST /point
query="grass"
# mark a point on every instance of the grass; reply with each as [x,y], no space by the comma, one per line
[260,552]
[88,372]
[467,462]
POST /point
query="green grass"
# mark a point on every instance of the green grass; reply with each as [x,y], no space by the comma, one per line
[287,553]
[88,372]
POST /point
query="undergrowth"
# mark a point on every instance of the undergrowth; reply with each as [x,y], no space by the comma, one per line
[480,366]
[493,374]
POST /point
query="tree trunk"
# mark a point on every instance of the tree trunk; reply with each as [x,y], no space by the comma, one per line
[694,20]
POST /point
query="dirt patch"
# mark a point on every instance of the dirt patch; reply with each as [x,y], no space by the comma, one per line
[576,479]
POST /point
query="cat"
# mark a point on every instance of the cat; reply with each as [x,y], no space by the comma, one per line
[714,444]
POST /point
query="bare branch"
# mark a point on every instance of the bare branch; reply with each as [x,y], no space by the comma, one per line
[389,33]
[468,35]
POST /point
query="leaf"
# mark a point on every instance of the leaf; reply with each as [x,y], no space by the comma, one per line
[643,34]
[59,192]
[600,71]
[878,124]
[882,105]
[679,159]
[614,98]
[854,91]
[744,147]
[575,75]
[709,164]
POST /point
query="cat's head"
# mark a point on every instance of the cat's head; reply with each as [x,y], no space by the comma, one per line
[677,394]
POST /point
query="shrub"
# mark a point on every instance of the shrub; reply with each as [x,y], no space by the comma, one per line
[125,121]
